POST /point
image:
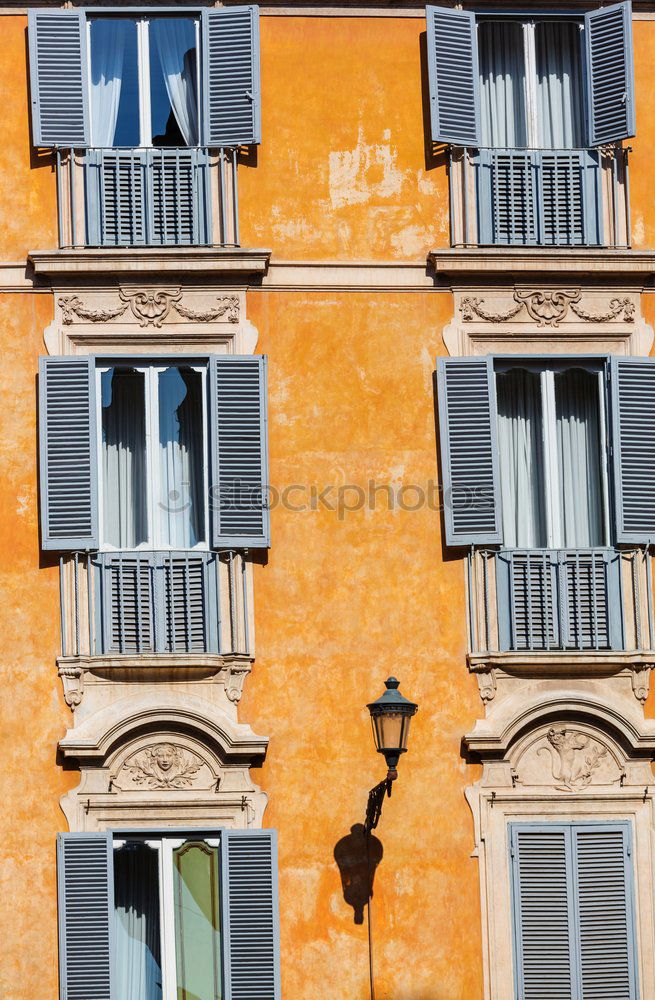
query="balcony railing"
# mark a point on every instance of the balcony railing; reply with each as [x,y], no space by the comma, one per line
[545,600]
[147,197]
[531,197]
[133,603]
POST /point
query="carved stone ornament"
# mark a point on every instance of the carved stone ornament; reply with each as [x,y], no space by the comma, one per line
[72,678]
[641,682]
[228,306]
[72,306]
[150,307]
[547,308]
[164,766]
[574,758]
[487,685]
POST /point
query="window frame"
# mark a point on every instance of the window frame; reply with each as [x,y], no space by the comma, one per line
[142,19]
[151,369]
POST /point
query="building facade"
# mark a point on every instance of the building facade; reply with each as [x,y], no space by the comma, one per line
[327,338]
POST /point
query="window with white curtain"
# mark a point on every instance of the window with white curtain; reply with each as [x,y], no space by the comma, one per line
[153,456]
[145,82]
[167,919]
[531,87]
[553,461]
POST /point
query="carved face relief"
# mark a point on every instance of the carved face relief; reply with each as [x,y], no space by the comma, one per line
[164,766]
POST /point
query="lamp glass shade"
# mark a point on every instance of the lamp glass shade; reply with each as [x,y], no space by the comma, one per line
[390,717]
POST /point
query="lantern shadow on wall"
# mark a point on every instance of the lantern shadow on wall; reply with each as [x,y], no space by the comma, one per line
[357,856]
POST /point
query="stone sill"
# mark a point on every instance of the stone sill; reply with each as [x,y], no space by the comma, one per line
[578,262]
[155,661]
[561,663]
[178,262]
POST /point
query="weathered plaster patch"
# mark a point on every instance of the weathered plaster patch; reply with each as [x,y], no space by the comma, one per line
[413,240]
[638,232]
[365,172]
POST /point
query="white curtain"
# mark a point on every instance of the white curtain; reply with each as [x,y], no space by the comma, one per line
[109,39]
[181,458]
[138,943]
[521,462]
[502,84]
[559,85]
[174,40]
[578,446]
[124,458]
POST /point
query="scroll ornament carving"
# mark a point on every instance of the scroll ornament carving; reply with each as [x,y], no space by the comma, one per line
[150,307]
[574,758]
[641,682]
[487,685]
[164,766]
[547,308]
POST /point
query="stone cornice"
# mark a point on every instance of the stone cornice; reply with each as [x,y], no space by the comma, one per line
[73,265]
[634,266]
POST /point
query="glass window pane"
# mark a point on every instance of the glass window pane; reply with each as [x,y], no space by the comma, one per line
[502,84]
[521,459]
[124,458]
[197,921]
[138,936]
[560,111]
[181,434]
[173,81]
[114,82]
[579,458]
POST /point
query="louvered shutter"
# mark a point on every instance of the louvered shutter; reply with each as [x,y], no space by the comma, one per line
[58,78]
[250,915]
[232,94]
[469,450]
[632,388]
[185,606]
[86,915]
[543,912]
[239,493]
[610,74]
[509,197]
[604,911]
[453,76]
[68,453]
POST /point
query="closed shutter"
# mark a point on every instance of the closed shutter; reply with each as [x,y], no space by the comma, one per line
[508,189]
[239,493]
[68,453]
[127,589]
[574,929]
[632,389]
[610,74]
[117,195]
[453,76]
[534,615]
[469,450]
[86,915]
[232,101]
[570,198]
[185,603]
[58,78]
[173,198]
[586,593]
[250,915]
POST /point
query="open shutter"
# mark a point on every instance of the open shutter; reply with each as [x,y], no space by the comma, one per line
[239,494]
[58,78]
[453,76]
[469,450]
[632,387]
[250,915]
[68,450]
[543,913]
[86,915]
[232,103]
[604,913]
[610,74]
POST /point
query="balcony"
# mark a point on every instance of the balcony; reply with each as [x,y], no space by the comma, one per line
[539,198]
[136,604]
[560,600]
[157,197]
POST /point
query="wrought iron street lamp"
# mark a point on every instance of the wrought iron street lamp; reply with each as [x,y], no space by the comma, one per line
[391,715]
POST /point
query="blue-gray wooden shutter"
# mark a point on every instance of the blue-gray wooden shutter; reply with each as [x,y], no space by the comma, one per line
[604,911]
[543,912]
[232,91]
[86,915]
[453,76]
[250,915]
[632,390]
[610,74]
[469,450]
[59,78]
[239,491]
[68,453]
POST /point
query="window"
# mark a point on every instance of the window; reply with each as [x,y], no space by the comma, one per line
[145,82]
[574,933]
[189,915]
[153,456]
[552,456]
